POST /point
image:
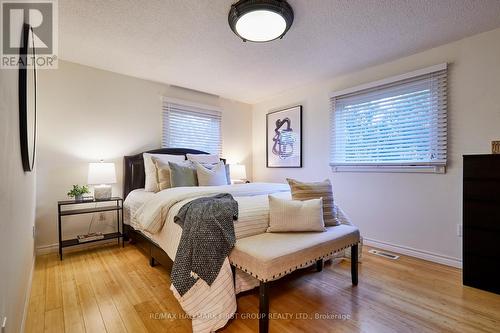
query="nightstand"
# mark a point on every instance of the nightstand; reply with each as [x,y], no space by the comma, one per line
[116,205]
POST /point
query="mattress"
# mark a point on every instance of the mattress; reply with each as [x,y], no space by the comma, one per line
[135,199]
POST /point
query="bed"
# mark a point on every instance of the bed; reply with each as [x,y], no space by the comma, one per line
[149,223]
[161,246]
[133,183]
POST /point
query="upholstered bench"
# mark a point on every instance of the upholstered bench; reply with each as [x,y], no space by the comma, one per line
[269,256]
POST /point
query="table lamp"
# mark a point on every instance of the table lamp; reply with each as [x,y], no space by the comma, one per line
[101,175]
[238,173]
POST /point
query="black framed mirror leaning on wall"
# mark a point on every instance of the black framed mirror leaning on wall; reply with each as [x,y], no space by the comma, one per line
[27,98]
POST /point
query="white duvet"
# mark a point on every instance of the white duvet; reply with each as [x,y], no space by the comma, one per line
[209,306]
[151,216]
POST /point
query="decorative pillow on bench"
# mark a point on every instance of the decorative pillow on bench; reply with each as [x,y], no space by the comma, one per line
[316,190]
[295,215]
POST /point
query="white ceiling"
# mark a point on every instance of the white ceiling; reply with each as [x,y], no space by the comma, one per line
[189,43]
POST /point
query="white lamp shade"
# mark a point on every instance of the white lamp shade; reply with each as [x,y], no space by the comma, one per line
[238,171]
[101,173]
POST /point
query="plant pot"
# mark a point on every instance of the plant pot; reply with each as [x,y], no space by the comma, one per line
[79,197]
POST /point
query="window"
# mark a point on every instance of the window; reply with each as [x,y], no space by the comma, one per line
[188,125]
[397,124]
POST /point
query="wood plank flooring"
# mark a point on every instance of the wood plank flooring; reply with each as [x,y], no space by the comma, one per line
[113,289]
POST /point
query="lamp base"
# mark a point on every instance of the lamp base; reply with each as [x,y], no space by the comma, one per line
[102,192]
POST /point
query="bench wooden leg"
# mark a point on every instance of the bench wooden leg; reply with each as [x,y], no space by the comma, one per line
[319,265]
[263,307]
[354,264]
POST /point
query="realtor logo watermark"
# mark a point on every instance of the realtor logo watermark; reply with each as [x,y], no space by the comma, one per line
[42,41]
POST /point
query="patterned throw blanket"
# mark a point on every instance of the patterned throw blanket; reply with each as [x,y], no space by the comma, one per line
[207,239]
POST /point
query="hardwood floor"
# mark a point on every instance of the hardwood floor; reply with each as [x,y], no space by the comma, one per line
[110,289]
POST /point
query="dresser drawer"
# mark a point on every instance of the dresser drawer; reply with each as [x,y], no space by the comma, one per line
[481,215]
[482,167]
[481,272]
[481,242]
[485,190]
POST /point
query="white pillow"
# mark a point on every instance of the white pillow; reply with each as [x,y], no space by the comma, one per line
[203,158]
[210,166]
[295,215]
[211,177]
[151,184]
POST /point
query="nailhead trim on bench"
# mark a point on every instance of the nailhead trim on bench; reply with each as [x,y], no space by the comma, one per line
[309,262]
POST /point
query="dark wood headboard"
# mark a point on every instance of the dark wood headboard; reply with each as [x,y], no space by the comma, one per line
[134,176]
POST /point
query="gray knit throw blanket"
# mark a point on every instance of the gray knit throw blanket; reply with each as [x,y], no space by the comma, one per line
[207,238]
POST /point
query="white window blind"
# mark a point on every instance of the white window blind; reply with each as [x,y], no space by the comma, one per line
[395,122]
[186,125]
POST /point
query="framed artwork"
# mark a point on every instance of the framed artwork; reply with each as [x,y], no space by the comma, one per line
[284,138]
[495,147]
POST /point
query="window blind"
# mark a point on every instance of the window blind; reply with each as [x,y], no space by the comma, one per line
[189,126]
[401,123]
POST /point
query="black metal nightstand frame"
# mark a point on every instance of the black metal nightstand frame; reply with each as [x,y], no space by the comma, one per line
[109,208]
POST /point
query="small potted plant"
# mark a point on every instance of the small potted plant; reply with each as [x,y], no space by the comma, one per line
[77,192]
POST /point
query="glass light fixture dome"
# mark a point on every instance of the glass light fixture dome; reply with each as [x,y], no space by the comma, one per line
[260,20]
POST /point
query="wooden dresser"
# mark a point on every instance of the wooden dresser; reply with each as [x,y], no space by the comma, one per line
[481,222]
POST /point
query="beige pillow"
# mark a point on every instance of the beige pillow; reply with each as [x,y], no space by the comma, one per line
[316,190]
[151,183]
[295,215]
[163,174]
[211,177]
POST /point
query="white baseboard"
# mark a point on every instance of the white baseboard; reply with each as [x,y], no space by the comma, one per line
[54,248]
[28,295]
[421,254]
[46,249]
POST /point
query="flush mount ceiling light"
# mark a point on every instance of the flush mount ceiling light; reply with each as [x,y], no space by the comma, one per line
[260,20]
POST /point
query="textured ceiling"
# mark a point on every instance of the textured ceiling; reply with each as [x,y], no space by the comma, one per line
[189,43]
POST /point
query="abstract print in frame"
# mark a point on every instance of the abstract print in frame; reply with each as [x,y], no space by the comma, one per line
[284,138]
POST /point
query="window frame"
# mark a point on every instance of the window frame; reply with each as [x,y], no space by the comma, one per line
[368,167]
[212,112]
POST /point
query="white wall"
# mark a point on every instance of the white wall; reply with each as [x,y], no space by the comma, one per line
[86,114]
[17,209]
[419,211]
